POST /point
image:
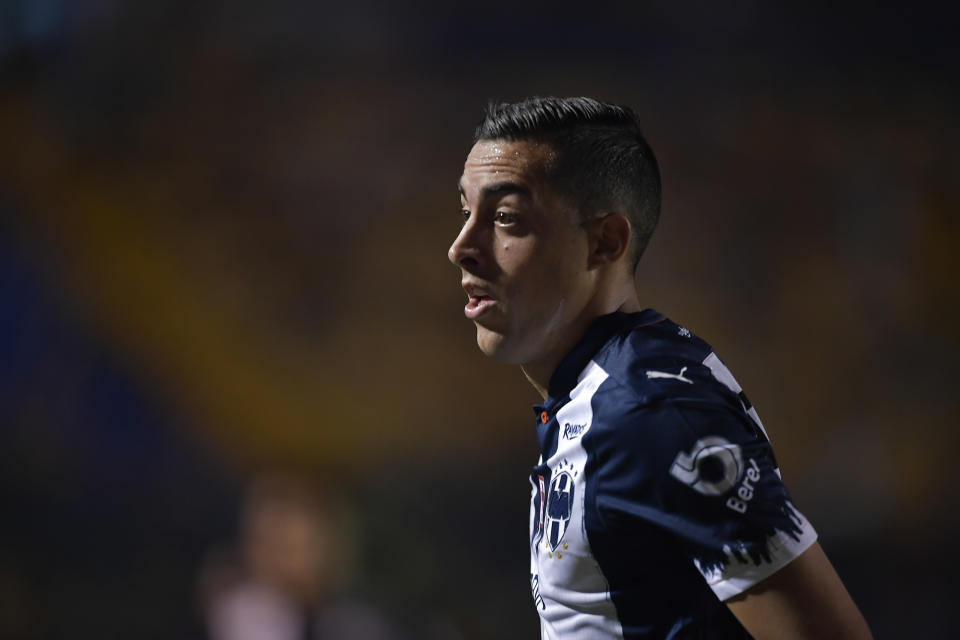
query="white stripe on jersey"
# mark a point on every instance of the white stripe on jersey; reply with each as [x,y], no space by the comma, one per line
[575,592]
[722,373]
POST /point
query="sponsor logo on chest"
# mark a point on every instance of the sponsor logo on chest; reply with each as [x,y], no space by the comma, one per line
[571,431]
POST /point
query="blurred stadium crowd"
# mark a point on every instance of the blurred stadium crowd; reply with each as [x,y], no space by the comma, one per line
[223,230]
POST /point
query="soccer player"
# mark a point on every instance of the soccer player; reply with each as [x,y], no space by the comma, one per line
[657,508]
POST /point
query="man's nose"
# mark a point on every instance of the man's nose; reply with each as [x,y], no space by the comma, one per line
[465,251]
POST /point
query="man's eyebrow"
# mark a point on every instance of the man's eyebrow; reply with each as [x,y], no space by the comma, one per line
[499,188]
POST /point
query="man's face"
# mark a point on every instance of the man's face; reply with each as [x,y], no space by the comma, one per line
[522,254]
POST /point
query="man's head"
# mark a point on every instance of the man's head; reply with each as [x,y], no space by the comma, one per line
[558,199]
[600,161]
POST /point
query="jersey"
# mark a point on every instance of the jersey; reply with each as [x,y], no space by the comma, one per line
[657,495]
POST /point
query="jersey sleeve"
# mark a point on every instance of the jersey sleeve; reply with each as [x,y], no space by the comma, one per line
[707,476]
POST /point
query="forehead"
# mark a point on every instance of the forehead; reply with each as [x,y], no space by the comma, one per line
[498,161]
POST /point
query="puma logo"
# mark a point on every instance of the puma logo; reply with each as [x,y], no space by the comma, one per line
[675,376]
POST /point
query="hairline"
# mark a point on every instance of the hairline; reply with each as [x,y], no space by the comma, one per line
[548,167]
[543,171]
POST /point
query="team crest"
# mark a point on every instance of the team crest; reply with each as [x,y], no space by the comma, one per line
[559,508]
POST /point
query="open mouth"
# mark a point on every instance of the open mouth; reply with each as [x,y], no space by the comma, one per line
[477,306]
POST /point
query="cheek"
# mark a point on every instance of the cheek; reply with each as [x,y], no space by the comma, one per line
[514,259]
[535,273]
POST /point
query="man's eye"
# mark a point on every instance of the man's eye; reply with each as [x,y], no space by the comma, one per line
[464,215]
[502,217]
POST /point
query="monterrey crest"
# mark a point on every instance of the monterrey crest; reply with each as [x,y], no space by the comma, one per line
[559,508]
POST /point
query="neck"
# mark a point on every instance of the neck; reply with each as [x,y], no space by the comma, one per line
[539,372]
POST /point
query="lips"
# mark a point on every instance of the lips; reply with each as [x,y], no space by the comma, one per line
[479,302]
[477,306]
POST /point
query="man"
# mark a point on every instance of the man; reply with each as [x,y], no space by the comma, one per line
[657,507]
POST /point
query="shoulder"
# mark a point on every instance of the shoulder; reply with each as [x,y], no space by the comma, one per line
[665,393]
[663,362]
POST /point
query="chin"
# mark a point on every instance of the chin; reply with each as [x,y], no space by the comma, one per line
[489,341]
[498,346]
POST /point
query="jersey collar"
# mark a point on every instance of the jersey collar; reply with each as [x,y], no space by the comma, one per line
[564,379]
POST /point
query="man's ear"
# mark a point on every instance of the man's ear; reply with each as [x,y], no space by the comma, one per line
[609,238]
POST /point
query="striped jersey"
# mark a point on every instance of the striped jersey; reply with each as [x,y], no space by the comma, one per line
[657,495]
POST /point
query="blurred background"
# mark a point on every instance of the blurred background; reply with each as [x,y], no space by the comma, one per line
[237,390]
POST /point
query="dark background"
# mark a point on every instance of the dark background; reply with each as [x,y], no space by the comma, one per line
[223,233]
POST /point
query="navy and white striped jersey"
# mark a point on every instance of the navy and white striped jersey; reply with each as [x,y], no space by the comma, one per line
[657,495]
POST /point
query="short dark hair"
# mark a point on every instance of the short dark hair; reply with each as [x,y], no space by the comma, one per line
[602,160]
